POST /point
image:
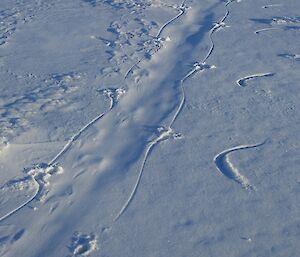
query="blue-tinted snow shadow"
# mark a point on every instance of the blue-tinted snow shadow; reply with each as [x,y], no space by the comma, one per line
[223,167]
[206,25]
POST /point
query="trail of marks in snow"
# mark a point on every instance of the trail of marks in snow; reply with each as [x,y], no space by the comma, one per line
[121,4]
[157,39]
[167,132]
[56,92]
[225,166]
[20,13]
[38,176]
[83,244]
[132,39]
[242,82]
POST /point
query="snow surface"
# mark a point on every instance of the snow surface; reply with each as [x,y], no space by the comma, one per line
[149,128]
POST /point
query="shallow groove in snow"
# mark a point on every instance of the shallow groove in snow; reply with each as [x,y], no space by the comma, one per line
[242,81]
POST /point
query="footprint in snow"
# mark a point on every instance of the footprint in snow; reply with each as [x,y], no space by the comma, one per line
[83,244]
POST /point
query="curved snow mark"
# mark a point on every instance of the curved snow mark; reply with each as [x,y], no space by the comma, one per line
[157,39]
[25,203]
[270,6]
[198,67]
[242,82]
[217,26]
[113,95]
[225,166]
[295,57]
[181,10]
[164,134]
[39,174]
[266,29]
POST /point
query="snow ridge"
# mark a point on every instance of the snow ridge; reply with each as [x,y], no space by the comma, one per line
[168,132]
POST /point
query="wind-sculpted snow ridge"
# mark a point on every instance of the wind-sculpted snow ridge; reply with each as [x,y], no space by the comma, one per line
[242,82]
[225,166]
[157,39]
[167,132]
[39,176]
[113,95]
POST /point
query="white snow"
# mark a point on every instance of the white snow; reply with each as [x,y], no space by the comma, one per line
[133,128]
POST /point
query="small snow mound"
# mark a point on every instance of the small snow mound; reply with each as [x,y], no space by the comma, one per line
[113,93]
[203,66]
[41,174]
[166,133]
[44,169]
[220,25]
